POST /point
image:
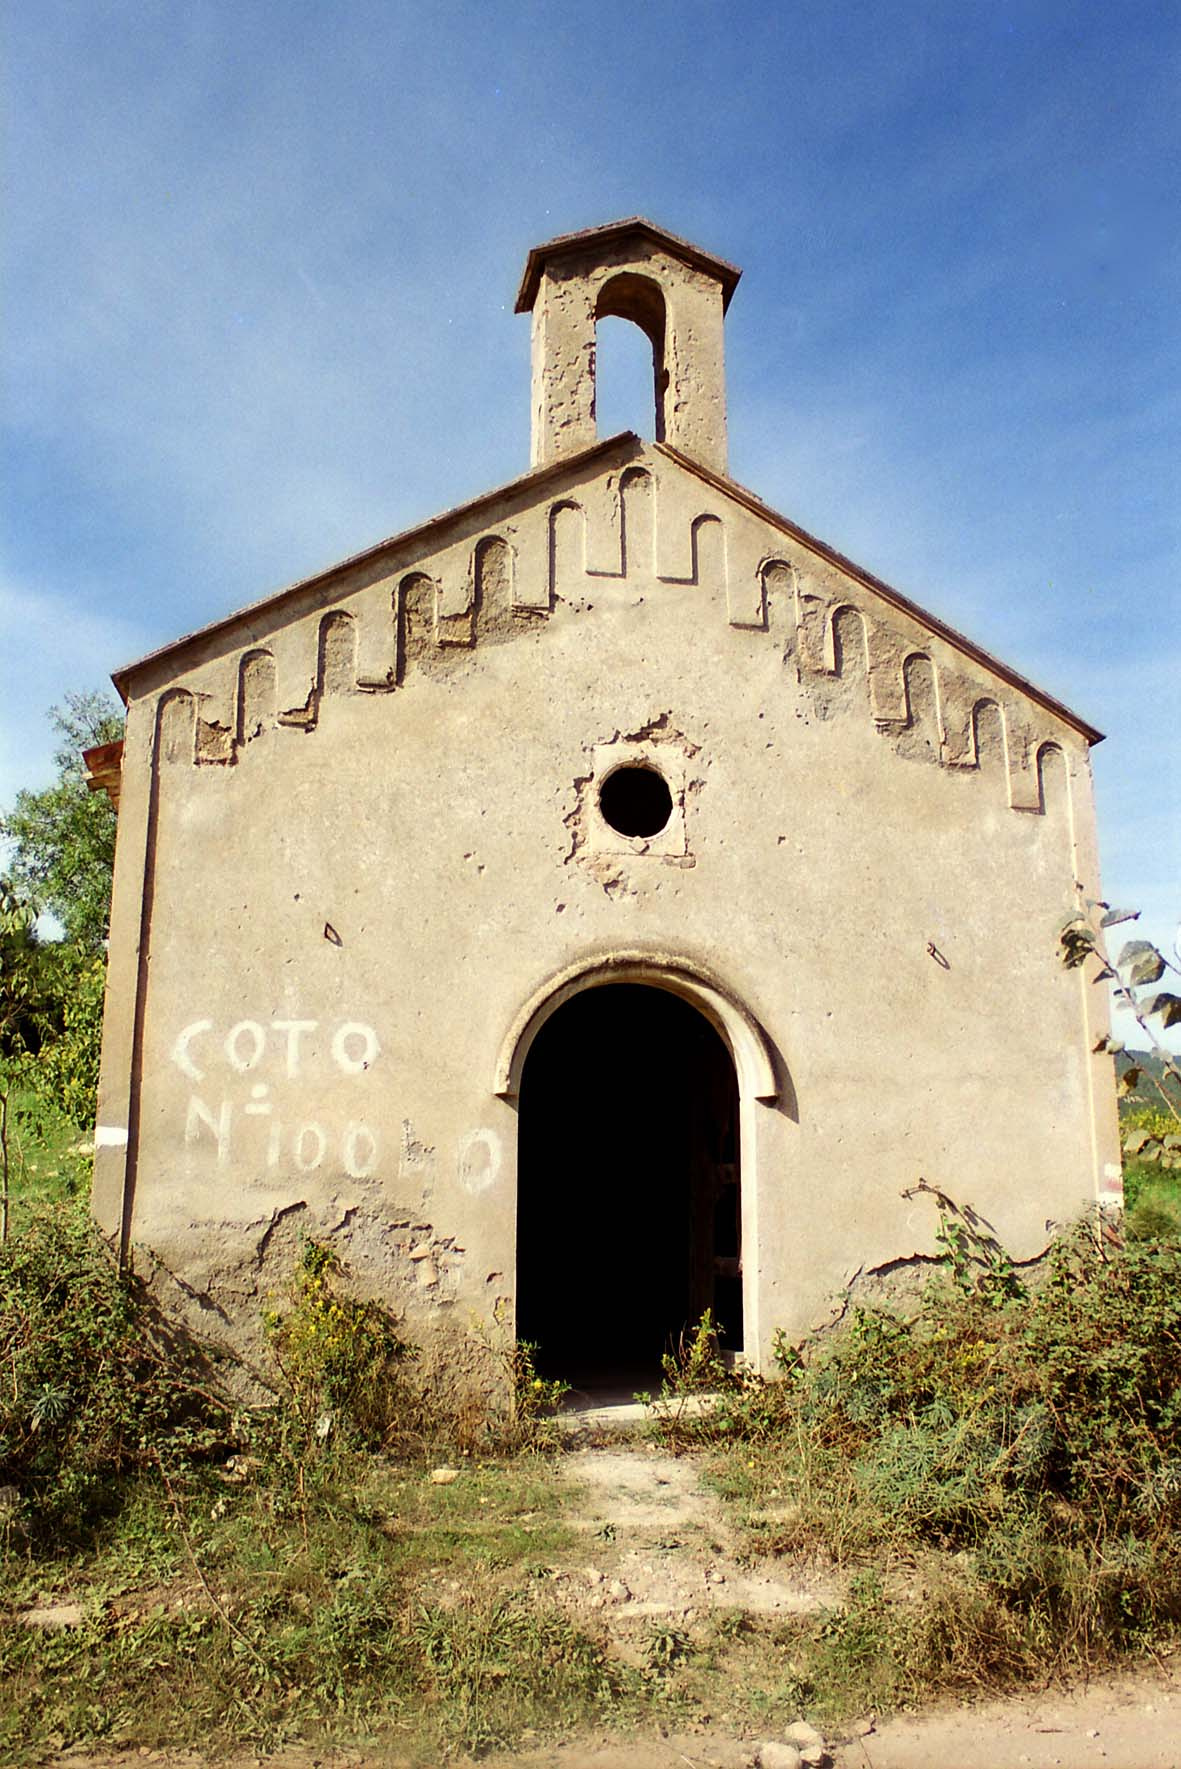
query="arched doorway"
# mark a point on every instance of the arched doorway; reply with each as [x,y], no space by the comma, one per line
[628,1205]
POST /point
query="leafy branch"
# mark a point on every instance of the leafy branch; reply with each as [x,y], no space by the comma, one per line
[1135,977]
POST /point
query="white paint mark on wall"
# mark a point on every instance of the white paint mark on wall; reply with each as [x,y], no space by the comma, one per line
[354,1047]
[295,1030]
[308,1148]
[244,1045]
[479,1161]
[417,1158]
[347,1062]
[199,1116]
[110,1136]
[180,1050]
[358,1151]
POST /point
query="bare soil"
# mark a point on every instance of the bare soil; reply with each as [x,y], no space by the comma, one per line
[659,1548]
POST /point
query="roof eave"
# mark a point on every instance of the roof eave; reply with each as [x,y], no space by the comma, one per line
[625,444]
[888,593]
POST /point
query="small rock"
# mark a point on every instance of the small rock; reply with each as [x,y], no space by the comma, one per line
[814,1756]
[619,1590]
[593,1576]
[714,1577]
[444,1476]
[803,1736]
[773,1755]
[50,1617]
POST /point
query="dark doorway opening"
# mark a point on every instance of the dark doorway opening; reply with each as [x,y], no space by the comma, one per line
[628,1186]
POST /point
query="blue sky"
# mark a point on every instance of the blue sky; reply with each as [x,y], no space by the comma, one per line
[260,269]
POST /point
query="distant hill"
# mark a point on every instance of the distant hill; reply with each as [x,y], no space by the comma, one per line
[1152,1070]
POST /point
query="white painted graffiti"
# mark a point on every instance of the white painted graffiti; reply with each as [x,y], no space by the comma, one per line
[353,1047]
[291,1051]
[308,1143]
[479,1161]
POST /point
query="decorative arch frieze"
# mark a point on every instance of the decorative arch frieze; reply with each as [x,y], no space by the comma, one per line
[853,653]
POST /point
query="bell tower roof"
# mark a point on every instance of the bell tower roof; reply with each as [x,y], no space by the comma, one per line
[601,240]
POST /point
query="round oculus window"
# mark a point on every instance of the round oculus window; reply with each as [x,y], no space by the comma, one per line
[635,800]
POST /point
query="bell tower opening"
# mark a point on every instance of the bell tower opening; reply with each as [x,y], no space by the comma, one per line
[628,1204]
[638,302]
[624,377]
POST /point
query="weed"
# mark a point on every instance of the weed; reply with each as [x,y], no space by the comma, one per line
[535,1397]
[492,1664]
[665,1647]
[695,1365]
[343,1361]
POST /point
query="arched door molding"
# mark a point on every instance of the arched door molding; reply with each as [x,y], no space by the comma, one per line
[736,1025]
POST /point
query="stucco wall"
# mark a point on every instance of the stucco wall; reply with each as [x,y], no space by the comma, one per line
[366,815]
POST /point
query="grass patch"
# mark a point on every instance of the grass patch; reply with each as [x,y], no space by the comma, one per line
[50,1158]
[370,1604]
[1152,1202]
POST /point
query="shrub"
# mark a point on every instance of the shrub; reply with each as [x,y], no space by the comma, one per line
[65,1070]
[94,1386]
[1033,1432]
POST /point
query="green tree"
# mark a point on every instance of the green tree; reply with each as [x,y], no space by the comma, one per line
[21,1012]
[63,838]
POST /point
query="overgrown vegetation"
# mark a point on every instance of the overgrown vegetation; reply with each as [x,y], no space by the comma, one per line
[301,1568]
[994,1477]
[999,1469]
[94,1389]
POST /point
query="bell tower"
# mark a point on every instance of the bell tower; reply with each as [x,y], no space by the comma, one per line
[677,295]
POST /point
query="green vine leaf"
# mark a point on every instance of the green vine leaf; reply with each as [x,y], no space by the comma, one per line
[1141,963]
[1166,1007]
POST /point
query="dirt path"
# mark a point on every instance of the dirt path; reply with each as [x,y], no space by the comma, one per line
[1127,1722]
[659,1548]
[1116,1723]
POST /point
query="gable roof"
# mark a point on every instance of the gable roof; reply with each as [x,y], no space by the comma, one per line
[616,450]
[721,482]
[616,232]
[415,539]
